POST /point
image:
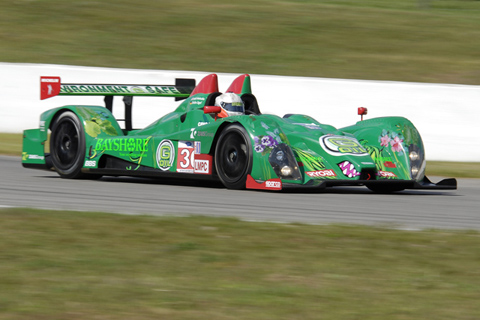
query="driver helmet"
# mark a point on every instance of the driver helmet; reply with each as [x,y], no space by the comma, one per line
[231,103]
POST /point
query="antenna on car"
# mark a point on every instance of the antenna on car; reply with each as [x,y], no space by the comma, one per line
[361,112]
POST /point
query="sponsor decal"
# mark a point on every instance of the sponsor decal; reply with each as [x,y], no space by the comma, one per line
[50,79]
[272,184]
[204,134]
[42,125]
[90,163]
[203,164]
[186,157]
[26,156]
[49,87]
[197,100]
[122,144]
[117,89]
[342,145]
[386,159]
[321,173]
[198,147]
[190,160]
[35,157]
[194,133]
[386,174]
[165,154]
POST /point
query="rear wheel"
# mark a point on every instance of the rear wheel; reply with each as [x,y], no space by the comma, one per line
[233,157]
[67,145]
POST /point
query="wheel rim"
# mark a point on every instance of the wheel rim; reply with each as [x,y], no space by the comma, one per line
[66,143]
[233,157]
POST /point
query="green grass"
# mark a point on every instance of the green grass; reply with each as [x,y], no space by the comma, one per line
[409,40]
[453,169]
[11,144]
[71,265]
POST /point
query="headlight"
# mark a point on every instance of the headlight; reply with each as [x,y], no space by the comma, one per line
[286,171]
[283,163]
[417,161]
[414,156]
[414,171]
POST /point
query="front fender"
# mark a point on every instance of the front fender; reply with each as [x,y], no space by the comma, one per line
[265,134]
[395,146]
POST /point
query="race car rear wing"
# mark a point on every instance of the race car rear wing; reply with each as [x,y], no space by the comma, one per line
[52,86]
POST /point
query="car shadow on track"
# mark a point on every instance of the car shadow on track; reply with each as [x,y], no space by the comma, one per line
[218,185]
[165,181]
[366,191]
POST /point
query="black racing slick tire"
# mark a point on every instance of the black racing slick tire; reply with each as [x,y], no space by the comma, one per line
[67,145]
[233,157]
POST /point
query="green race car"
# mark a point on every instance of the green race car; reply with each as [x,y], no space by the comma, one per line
[199,140]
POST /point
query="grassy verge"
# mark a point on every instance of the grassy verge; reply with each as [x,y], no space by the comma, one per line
[70,265]
[11,144]
[453,169]
[408,40]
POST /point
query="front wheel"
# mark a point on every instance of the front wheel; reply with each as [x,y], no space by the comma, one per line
[233,157]
[67,145]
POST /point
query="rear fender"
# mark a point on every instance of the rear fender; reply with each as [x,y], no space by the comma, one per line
[96,120]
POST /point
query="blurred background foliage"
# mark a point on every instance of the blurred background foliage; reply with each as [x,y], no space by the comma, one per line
[409,40]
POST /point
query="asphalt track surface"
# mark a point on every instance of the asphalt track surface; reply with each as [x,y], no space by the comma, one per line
[411,209]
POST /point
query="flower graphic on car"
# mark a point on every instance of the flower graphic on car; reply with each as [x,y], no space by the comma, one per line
[396,144]
[393,140]
[384,141]
[268,141]
[264,143]
[259,148]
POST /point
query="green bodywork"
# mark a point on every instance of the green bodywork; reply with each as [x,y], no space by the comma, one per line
[377,149]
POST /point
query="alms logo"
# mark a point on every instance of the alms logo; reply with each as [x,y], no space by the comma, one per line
[165,155]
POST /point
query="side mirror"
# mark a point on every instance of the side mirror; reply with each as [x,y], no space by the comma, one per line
[212,109]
